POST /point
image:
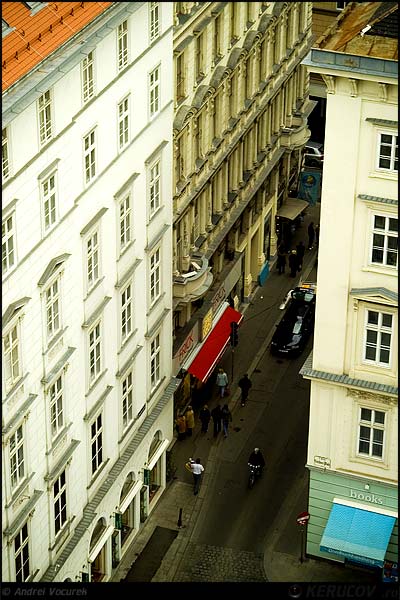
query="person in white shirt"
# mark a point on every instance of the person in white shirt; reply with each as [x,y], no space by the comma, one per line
[197,470]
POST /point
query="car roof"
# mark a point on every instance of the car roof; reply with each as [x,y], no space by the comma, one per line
[313,145]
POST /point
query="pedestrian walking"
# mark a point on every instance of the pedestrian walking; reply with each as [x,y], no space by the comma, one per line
[222,382]
[281,261]
[293,263]
[300,248]
[317,235]
[189,420]
[226,418]
[197,469]
[311,235]
[245,384]
[181,426]
[216,417]
[205,417]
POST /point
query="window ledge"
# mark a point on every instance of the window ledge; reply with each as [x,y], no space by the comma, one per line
[126,341]
[96,475]
[382,270]
[125,249]
[391,175]
[96,285]
[94,384]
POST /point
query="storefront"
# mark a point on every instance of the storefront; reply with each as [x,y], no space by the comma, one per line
[351,520]
[287,219]
[99,559]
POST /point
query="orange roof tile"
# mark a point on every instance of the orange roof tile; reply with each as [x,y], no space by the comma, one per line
[36,36]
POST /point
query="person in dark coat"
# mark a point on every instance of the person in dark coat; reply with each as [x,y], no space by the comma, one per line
[293,263]
[204,416]
[216,417]
[311,235]
[281,260]
[226,419]
[245,384]
[300,248]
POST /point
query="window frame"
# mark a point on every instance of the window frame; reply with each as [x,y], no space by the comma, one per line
[10,382]
[90,264]
[378,346]
[124,222]
[371,425]
[6,236]
[154,95]
[88,76]
[45,197]
[123,119]
[56,315]
[5,154]
[45,117]
[60,504]
[155,360]
[127,399]
[386,233]
[95,351]
[122,45]
[89,169]
[96,435]
[14,453]
[23,543]
[154,182]
[394,136]
[154,21]
[57,406]
[155,275]
[180,83]
[126,312]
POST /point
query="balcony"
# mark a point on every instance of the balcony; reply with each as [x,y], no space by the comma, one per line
[192,285]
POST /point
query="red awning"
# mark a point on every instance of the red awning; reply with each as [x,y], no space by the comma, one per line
[215,344]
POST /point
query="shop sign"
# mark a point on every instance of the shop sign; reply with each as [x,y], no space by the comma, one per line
[118,520]
[184,350]
[228,285]
[146,476]
[206,324]
[366,497]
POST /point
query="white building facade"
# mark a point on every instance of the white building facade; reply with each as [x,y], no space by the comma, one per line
[353,442]
[87,295]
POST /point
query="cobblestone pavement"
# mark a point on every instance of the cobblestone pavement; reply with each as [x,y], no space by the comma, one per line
[216,564]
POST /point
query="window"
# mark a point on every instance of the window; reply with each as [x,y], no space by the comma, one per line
[8,243]
[371,432]
[180,77]
[155,361]
[233,21]
[89,143]
[384,241]
[180,161]
[17,461]
[53,317]
[11,350]
[198,140]
[199,56]
[94,352]
[56,406]
[5,159]
[154,91]
[217,37]
[122,45]
[49,201]
[388,152]
[96,431]
[123,123]
[154,20]
[92,259]
[60,502]
[125,222]
[126,312]
[21,554]
[341,5]
[378,338]
[127,392]
[44,107]
[154,188]
[154,276]
[88,77]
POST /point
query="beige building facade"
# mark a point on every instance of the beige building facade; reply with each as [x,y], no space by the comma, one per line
[241,106]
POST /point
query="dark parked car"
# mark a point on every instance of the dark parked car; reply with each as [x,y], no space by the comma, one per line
[297,323]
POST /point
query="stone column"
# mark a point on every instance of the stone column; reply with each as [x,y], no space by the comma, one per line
[193,142]
[208,194]
[185,244]
[270,44]
[225,104]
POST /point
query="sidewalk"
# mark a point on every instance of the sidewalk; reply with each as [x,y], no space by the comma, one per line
[282,561]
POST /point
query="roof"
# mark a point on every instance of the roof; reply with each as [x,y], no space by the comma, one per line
[379,40]
[29,36]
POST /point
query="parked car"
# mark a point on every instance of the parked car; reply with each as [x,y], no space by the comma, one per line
[297,323]
[313,154]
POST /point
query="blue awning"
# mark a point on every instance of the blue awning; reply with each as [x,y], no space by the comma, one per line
[359,535]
